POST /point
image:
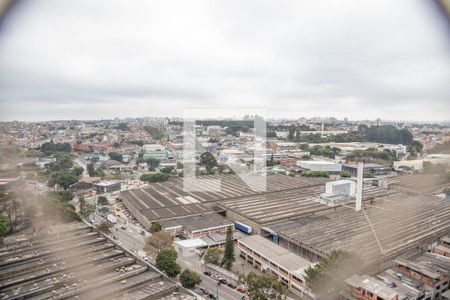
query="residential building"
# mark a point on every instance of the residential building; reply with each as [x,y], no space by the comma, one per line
[368,288]
[160,154]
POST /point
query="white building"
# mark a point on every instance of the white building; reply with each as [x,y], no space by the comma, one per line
[320,165]
[153,147]
[270,257]
[189,247]
[341,187]
[405,165]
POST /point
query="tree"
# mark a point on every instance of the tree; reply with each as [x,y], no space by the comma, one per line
[264,287]
[154,132]
[52,148]
[4,225]
[63,161]
[345,174]
[156,177]
[208,161]
[104,227]
[102,200]
[64,196]
[368,175]
[415,148]
[389,134]
[372,154]
[212,256]
[104,210]
[235,129]
[115,156]
[100,172]
[228,254]
[155,227]
[167,262]
[315,174]
[152,163]
[158,241]
[417,145]
[167,170]
[63,178]
[123,126]
[90,169]
[327,277]
[189,279]
[86,209]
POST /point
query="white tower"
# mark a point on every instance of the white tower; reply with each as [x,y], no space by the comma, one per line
[359,187]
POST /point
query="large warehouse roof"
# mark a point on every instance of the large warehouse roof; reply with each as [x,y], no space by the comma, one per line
[169,193]
[168,200]
[425,183]
[398,221]
[270,207]
[201,222]
[74,261]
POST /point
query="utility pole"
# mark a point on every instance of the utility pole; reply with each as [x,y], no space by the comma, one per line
[217,290]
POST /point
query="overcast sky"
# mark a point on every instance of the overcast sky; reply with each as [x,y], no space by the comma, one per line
[102,59]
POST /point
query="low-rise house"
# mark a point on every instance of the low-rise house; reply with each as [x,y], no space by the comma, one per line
[107,186]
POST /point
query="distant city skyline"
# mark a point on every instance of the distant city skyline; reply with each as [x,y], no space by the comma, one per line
[90,60]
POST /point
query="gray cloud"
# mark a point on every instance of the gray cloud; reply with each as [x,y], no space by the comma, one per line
[356,59]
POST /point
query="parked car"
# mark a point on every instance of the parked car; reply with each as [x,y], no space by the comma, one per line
[212,296]
[231,285]
[207,273]
[240,290]
[203,290]
[223,281]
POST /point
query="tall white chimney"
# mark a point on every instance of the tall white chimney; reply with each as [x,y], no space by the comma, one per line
[359,187]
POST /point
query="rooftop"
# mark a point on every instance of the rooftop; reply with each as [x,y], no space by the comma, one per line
[166,200]
[277,254]
[399,221]
[372,285]
[281,205]
[418,182]
[198,222]
[73,260]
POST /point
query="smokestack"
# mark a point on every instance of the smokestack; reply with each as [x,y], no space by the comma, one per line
[359,187]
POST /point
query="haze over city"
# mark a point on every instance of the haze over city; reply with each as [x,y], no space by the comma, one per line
[355,59]
[225,150]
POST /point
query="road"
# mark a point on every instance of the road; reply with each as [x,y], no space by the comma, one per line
[130,237]
[82,164]
[209,283]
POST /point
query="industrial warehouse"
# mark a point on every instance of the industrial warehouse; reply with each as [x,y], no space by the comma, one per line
[307,217]
[168,200]
[266,208]
[388,227]
[73,261]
